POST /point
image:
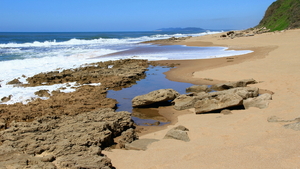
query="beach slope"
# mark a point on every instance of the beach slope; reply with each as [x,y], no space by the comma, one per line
[245,138]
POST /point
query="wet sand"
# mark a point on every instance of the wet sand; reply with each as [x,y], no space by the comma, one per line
[244,139]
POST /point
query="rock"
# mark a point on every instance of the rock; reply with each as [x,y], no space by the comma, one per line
[244,92]
[294,126]
[48,158]
[218,102]
[229,85]
[261,101]
[274,119]
[230,33]
[277,119]
[141,144]
[188,101]
[72,140]
[22,160]
[6,99]
[123,73]
[157,96]
[198,88]
[127,136]
[84,161]
[42,93]
[178,133]
[226,112]
[185,101]
[14,82]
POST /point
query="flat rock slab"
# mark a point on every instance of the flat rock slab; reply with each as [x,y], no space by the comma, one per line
[218,102]
[141,144]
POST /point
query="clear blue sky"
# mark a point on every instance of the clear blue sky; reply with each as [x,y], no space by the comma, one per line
[128,15]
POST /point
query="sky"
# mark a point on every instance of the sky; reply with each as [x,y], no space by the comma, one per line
[128,15]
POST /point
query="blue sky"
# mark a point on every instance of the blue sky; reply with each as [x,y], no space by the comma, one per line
[128,15]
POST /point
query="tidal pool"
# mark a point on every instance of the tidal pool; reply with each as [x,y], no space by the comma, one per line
[155,80]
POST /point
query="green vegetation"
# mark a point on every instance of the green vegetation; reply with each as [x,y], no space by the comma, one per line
[282,14]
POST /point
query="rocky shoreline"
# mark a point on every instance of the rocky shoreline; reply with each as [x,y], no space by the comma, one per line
[69,130]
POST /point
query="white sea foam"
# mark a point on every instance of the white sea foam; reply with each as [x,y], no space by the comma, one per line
[25,95]
[51,55]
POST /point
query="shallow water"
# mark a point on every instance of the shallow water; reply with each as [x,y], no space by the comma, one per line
[154,80]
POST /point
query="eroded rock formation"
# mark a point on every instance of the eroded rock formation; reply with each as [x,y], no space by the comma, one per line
[63,141]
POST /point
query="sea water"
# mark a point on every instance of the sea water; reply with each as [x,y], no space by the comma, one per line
[23,55]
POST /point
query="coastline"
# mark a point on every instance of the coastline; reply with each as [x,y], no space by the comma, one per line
[244,138]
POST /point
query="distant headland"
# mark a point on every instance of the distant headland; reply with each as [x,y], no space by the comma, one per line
[181,29]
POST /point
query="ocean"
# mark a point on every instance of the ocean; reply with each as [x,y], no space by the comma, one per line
[26,54]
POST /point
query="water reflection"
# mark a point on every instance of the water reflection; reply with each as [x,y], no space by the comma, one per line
[155,80]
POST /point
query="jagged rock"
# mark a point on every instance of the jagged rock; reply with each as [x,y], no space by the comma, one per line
[178,133]
[71,140]
[141,144]
[229,85]
[294,126]
[226,112]
[261,101]
[198,88]
[157,96]
[127,136]
[218,102]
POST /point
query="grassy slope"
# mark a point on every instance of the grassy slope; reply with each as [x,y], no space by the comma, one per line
[282,14]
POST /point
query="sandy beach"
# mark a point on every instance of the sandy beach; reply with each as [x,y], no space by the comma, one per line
[244,139]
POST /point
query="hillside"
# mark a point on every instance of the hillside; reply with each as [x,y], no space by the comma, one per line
[282,14]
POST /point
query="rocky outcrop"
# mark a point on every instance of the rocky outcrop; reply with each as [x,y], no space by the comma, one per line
[178,133]
[157,96]
[244,33]
[261,101]
[205,102]
[186,101]
[63,142]
[111,75]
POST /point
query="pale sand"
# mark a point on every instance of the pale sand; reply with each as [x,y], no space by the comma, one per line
[244,139]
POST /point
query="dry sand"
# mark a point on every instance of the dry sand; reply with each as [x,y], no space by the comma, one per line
[244,139]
